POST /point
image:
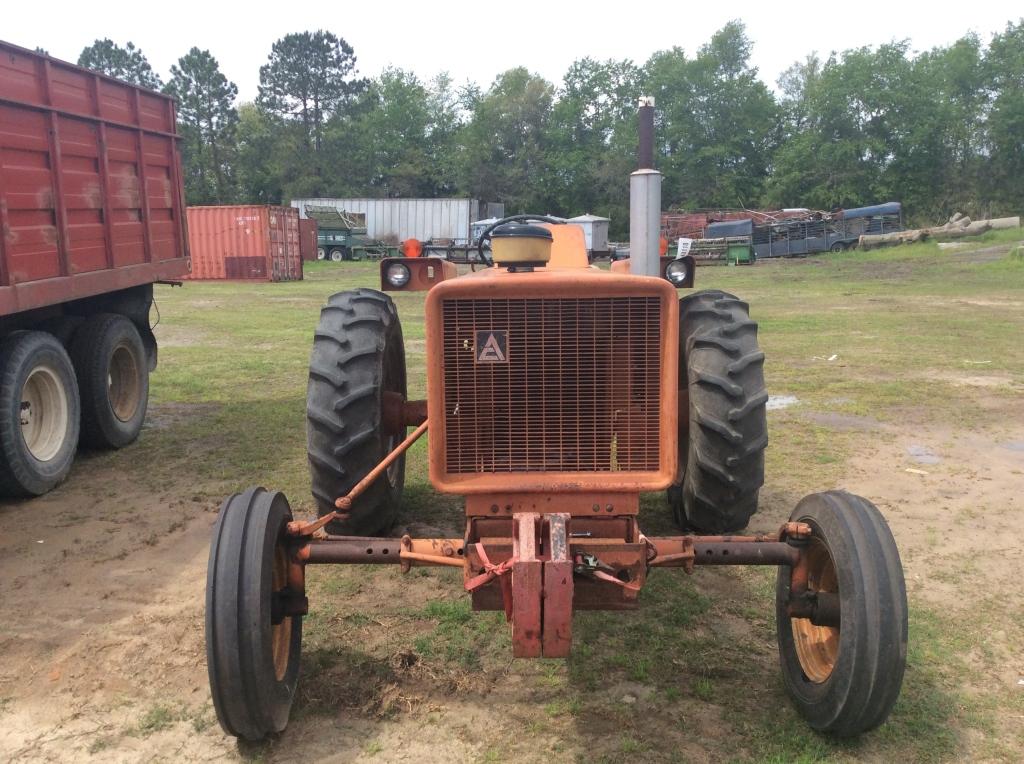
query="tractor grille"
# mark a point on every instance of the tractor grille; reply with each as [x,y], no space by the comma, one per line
[552,385]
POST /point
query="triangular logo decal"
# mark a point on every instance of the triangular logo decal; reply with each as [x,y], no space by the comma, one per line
[492,346]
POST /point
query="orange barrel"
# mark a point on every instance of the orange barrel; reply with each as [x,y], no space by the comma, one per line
[412,248]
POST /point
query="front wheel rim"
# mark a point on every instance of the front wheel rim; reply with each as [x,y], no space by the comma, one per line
[43,413]
[281,633]
[817,647]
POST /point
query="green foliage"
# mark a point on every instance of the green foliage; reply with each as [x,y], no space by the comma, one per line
[309,77]
[127,63]
[719,122]
[1005,65]
[940,130]
[503,149]
[208,120]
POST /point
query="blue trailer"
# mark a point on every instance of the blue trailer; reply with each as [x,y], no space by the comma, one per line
[799,238]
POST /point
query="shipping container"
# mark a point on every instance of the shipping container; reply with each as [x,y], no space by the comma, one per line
[308,232]
[395,220]
[91,216]
[253,242]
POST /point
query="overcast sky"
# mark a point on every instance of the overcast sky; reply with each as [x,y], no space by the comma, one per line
[475,41]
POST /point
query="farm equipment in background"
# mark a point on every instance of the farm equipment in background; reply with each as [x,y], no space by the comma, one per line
[342,235]
[556,393]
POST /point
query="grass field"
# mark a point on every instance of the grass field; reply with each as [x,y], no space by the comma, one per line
[903,348]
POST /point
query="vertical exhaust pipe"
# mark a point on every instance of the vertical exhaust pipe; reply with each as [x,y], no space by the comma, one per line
[645,200]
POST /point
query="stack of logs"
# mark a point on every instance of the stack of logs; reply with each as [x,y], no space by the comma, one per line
[956,227]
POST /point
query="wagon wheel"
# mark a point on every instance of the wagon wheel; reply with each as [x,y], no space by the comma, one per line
[844,672]
[253,618]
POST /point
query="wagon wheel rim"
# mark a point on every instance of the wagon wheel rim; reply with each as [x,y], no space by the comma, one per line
[123,388]
[817,647]
[281,633]
[44,413]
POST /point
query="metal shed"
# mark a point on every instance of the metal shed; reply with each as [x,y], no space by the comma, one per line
[400,219]
[595,231]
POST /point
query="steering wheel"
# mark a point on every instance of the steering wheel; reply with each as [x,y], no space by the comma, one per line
[486,235]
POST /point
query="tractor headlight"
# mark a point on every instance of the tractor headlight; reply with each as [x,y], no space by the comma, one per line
[677,272]
[397,275]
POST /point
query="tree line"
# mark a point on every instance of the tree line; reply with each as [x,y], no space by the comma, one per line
[941,131]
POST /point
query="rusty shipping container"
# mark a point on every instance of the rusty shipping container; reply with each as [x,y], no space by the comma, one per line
[90,190]
[253,242]
[308,231]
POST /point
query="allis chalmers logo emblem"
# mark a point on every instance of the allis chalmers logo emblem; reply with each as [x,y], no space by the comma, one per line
[492,346]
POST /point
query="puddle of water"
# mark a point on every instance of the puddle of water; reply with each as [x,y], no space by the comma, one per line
[844,422]
[923,455]
[781,402]
[1015,445]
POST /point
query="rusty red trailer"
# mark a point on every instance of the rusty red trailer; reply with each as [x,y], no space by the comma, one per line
[90,191]
[308,233]
[91,216]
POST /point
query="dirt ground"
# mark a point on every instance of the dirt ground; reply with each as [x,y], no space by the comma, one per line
[103,591]
[102,595]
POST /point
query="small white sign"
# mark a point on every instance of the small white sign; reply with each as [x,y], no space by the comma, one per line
[684,247]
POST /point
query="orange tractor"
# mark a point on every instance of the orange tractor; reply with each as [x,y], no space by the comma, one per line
[556,394]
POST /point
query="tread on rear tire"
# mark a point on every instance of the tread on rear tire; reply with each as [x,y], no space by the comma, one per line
[357,355]
[722,443]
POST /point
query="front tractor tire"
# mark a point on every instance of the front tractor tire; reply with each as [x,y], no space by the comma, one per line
[845,678]
[358,357]
[723,438]
[253,644]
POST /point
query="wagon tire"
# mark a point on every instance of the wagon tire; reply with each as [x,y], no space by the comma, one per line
[62,327]
[358,356]
[725,432]
[113,376]
[253,663]
[837,247]
[39,413]
[337,255]
[845,679]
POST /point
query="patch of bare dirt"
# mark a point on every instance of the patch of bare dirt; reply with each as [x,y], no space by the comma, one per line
[955,502]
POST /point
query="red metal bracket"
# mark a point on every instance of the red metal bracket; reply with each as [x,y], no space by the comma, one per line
[558,589]
[527,583]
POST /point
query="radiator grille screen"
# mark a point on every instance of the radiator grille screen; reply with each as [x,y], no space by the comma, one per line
[552,385]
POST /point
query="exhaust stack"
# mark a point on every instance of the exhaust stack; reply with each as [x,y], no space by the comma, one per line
[645,200]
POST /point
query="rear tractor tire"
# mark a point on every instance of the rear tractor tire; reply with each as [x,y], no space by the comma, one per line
[113,374]
[358,356]
[722,440]
[39,413]
[845,679]
[252,647]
